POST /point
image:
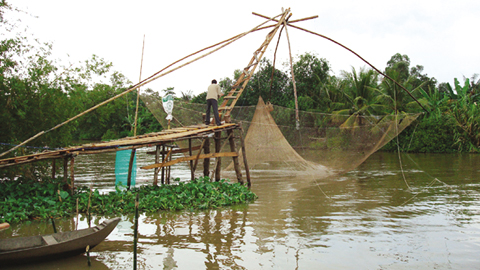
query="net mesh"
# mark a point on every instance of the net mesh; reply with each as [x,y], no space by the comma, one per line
[320,145]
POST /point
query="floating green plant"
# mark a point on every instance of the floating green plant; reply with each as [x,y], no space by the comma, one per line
[40,200]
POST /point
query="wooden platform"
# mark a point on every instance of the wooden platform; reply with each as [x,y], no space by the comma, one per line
[146,140]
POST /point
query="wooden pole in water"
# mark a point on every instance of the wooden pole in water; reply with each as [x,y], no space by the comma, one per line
[53,168]
[53,225]
[206,162]
[244,154]
[163,160]
[76,223]
[130,167]
[65,169]
[218,137]
[169,168]
[192,173]
[135,234]
[157,159]
[198,155]
[233,148]
[88,255]
[72,174]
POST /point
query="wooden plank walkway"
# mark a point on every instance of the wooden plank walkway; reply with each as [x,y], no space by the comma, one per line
[162,137]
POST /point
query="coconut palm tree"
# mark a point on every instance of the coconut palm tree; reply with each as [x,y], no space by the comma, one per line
[361,96]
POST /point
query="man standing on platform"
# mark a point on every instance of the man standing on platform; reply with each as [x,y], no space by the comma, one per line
[213,94]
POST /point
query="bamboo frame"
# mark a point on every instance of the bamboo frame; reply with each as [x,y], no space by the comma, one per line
[189,158]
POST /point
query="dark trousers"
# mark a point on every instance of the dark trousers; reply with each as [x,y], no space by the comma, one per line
[212,103]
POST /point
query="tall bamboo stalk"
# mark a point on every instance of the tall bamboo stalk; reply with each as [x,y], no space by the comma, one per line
[297,118]
[138,90]
[135,234]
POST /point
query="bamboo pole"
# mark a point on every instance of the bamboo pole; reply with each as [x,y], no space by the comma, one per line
[72,174]
[218,160]
[163,160]
[245,163]
[218,155]
[65,170]
[135,234]
[153,77]
[198,155]
[138,90]
[192,173]
[206,162]
[233,148]
[157,158]
[130,167]
[53,168]
[188,158]
[274,60]
[297,118]
[356,54]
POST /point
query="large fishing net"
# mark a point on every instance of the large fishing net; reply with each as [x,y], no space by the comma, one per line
[319,145]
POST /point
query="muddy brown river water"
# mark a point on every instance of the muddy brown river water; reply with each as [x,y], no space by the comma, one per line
[379,216]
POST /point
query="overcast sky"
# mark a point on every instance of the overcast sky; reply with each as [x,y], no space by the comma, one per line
[440,35]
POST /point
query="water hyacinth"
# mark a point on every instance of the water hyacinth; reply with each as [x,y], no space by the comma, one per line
[21,200]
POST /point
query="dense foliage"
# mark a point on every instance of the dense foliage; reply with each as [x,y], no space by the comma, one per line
[41,200]
[37,93]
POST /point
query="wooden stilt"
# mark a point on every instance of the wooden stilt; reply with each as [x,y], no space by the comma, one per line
[163,168]
[218,138]
[236,165]
[206,162]
[198,155]
[65,170]
[192,173]
[72,173]
[244,154]
[130,167]
[169,168]
[54,168]
[157,159]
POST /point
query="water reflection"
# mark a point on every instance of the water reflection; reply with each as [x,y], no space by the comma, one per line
[376,217]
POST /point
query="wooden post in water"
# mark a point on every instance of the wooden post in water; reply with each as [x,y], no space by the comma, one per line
[130,167]
[54,168]
[53,225]
[192,173]
[157,159]
[135,234]
[218,143]
[163,160]
[233,148]
[72,173]
[65,169]
[169,168]
[244,154]
[206,162]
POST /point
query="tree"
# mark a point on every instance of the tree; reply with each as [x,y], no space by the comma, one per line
[361,94]
[311,77]
[277,91]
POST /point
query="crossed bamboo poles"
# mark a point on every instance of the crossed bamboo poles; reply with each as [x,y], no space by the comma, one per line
[231,98]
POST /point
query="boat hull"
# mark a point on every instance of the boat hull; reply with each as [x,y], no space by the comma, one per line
[58,245]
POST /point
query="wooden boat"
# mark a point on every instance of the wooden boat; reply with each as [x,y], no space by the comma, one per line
[4,226]
[58,245]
